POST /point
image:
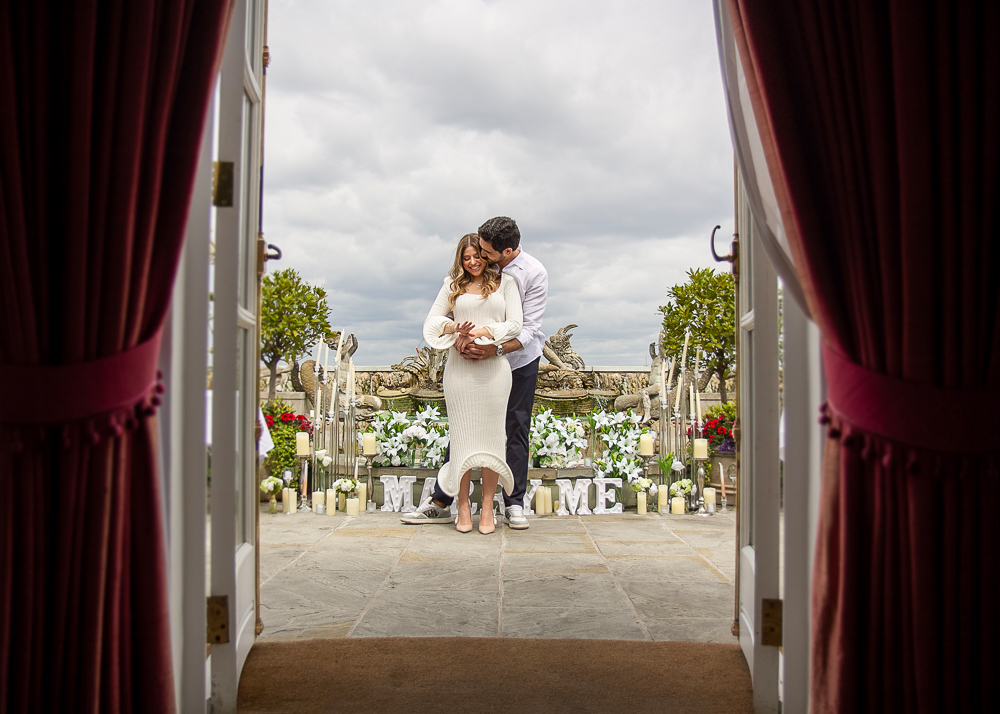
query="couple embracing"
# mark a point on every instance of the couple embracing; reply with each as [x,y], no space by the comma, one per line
[488,314]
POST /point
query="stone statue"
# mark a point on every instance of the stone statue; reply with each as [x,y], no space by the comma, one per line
[654,383]
[423,371]
[558,351]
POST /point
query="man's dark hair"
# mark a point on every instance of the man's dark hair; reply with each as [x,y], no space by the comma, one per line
[501,232]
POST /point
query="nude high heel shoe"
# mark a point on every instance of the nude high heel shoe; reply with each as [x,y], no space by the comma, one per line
[492,526]
[460,527]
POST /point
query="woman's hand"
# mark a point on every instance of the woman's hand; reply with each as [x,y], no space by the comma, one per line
[465,328]
[480,332]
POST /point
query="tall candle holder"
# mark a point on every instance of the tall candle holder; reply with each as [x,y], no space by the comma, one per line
[368,450]
[305,503]
[702,511]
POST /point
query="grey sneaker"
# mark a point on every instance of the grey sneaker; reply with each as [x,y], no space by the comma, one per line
[516,519]
[428,512]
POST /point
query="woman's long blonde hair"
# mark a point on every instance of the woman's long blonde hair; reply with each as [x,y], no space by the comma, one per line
[460,279]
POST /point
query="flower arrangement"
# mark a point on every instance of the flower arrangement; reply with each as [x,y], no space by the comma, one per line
[718,429]
[645,484]
[284,424]
[397,437]
[618,434]
[346,485]
[558,442]
[681,488]
[271,485]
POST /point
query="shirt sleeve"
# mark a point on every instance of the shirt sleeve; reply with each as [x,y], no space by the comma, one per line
[511,326]
[437,318]
[533,308]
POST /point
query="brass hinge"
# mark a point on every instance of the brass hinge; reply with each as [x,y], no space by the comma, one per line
[217,619]
[770,622]
[222,183]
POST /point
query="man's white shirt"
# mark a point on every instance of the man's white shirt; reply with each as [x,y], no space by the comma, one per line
[533,284]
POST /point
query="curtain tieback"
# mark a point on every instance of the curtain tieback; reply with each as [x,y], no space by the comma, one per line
[916,415]
[64,393]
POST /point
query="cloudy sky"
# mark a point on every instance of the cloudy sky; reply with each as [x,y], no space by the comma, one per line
[393,127]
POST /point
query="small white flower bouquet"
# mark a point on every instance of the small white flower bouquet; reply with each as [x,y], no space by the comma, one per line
[271,485]
[681,488]
[645,484]
[346,485]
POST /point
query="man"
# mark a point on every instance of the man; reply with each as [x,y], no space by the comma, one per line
[501,244]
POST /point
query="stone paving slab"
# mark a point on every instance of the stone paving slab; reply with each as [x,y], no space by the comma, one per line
[621,576]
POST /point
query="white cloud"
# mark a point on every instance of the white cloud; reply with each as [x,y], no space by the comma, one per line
[393,128]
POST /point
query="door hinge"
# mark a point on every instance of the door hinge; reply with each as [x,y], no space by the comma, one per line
[770,622]
[222,183]
[217,619]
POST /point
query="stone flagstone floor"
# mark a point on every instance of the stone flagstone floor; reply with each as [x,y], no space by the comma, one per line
[625,576]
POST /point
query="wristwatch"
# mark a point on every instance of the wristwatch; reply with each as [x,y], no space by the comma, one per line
[499,350]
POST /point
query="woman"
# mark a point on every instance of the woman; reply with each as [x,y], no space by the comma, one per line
[474,304]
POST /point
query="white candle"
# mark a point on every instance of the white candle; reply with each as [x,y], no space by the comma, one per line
[363,494]
[319,499]
[369,444]
[331,501]
[697,395]
[302,443]
[353,506]
[663,499]
[691,405]
[292,501]
[548,501]
[701,448]
[722,478]
[710,499]
[677,506]
[540,501]
[680,375]
[355,469]
[640,503]
[646,444]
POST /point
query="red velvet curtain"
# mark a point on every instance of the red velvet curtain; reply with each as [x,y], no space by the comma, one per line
[880,121]
[102,106]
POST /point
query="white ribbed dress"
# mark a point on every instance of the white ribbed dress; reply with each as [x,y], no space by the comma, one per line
[476,391]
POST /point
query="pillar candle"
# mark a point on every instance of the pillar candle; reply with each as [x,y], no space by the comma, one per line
[710,499]
[677,506]
[331,501]
[369,444]
[701,448]
[363,495]
[540,501]
[691,414]
[646,444]
[640,503]
[292,501]
[663,499]
[301,443]
[341,499]
[548,501]
[353,506]
[319,499]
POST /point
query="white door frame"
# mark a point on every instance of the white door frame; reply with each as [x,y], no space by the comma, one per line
[235,500]
[759,482]
[805,390]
